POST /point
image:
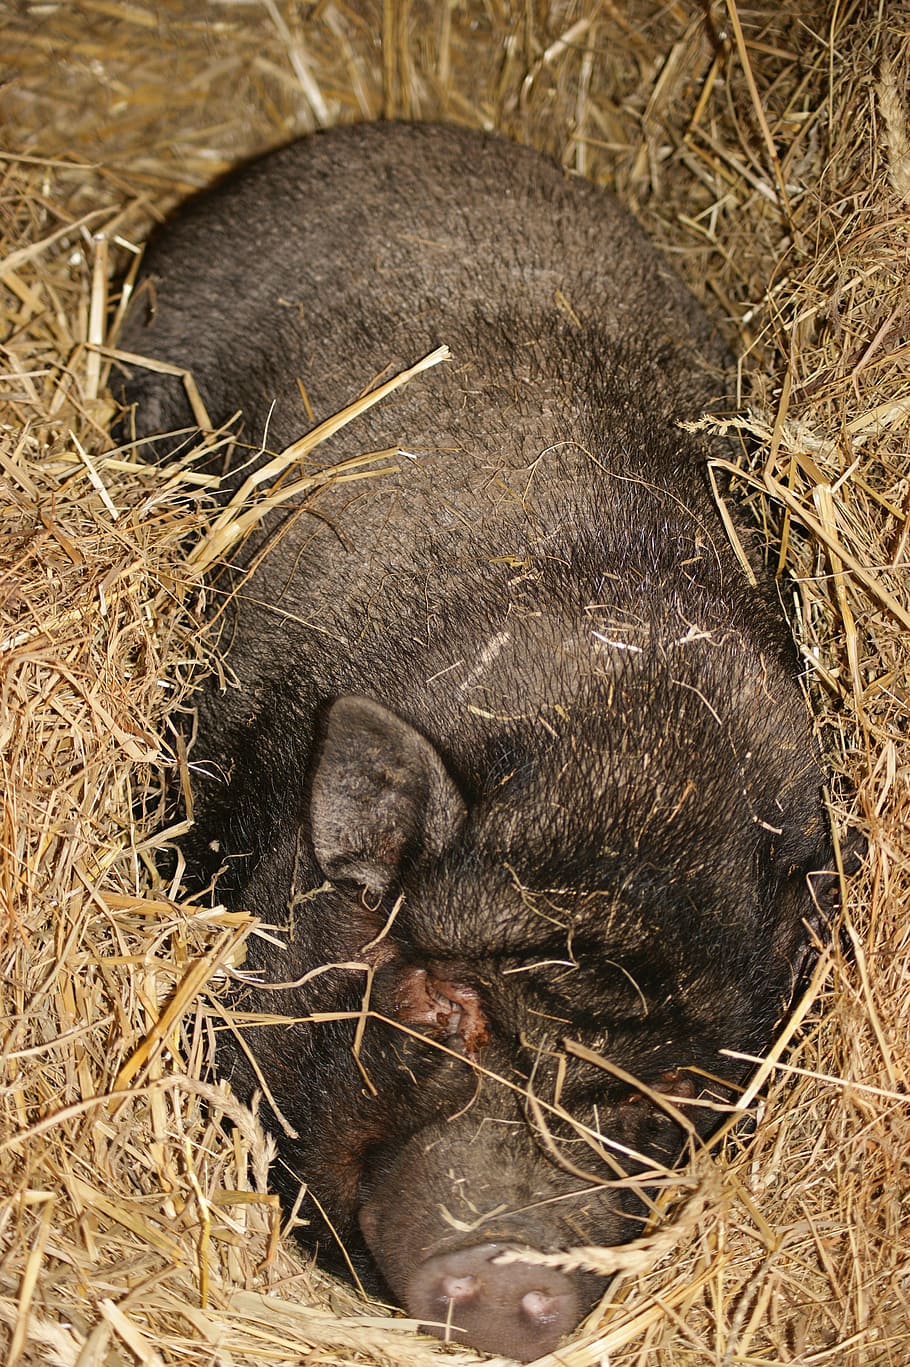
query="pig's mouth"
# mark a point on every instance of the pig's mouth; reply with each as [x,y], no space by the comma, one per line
[471,1295]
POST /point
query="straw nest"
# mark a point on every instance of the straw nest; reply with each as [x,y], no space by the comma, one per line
[768,150]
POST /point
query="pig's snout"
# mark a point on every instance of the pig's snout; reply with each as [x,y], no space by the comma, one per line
[512,1308]
[446,1261]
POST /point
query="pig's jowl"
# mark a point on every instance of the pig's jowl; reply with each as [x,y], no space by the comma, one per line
[511,744]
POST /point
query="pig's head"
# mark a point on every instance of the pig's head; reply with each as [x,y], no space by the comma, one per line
[574,915]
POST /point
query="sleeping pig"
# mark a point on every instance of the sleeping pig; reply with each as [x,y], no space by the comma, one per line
[512,761]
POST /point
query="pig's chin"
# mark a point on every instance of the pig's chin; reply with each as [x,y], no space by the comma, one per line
[471,1293]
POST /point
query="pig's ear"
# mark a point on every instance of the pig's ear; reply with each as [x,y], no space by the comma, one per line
[379,790]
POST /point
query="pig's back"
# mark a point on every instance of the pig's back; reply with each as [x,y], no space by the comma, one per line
[349,254]
[345,257]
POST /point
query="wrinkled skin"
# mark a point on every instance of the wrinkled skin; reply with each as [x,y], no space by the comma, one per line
[510,738]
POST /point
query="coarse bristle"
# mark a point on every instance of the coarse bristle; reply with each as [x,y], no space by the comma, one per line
[767,150]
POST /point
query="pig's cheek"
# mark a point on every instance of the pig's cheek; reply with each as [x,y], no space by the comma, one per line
[448,1011]
[368,1218]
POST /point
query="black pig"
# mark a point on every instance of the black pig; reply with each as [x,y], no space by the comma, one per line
[516,747]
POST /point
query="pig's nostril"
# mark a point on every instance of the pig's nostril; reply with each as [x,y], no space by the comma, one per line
[460,1289]
[513,1308]
[539,1307]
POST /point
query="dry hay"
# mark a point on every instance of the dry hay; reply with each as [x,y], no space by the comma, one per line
[768,150]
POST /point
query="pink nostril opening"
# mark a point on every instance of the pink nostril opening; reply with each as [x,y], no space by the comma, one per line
[460,1290]
[539,1307]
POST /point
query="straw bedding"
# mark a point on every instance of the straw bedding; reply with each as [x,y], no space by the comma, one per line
[768,150]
